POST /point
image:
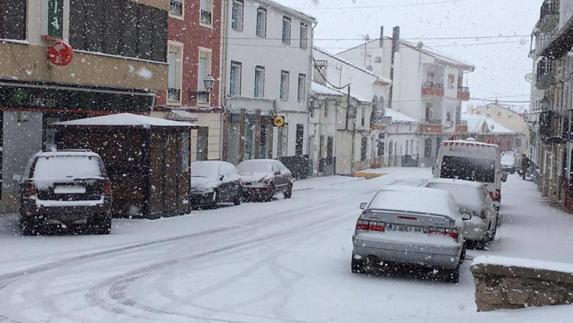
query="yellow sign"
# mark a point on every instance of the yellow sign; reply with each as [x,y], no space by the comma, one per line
[279,121]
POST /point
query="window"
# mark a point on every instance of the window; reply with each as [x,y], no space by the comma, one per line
[301,96]
[55,18]
[237,15]
[262,22]
[363,117]
[174,74]
[176,8]
[428,111]
[206,8]
[202,143]
[303,35]
[286,30]
[363,146]
[299,139]
[451,81]
[235,82]
[259,81]
[204,70]
[13,19]
[284,85]
[119,27]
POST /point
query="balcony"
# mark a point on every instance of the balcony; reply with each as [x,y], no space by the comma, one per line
[431,128]
[463,93]
[462,128]
[544,81]
[432,89]
[549,16]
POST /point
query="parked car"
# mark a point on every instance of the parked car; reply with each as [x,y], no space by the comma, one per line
[65,187]
[214,182]
[471,161]
[508,162]
[409,225]
[472,199]
[264,178]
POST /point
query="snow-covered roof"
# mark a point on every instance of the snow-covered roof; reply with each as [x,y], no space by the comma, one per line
[476,124]
[125,119]
[325,90]
[415,199]
[399,116]
[342,60]
[288,10]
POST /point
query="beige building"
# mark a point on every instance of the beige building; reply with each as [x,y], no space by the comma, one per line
[99,64]
[507,118]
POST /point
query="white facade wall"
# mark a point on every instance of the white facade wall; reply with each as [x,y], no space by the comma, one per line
[246,48]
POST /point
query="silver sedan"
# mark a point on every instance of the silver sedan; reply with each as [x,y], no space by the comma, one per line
[409,225]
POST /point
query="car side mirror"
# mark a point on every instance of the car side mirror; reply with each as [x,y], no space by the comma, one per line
[17,178]
[504,177]
[278,172]
[466,216]
[221,177]
[363,205]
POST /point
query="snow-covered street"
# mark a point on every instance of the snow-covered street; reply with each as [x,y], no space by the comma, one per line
[283,261]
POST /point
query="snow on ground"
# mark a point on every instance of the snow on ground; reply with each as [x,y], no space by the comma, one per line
[283,261]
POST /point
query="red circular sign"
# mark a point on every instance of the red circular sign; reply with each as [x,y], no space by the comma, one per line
[60,53]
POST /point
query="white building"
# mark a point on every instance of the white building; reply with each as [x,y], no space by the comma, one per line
[268,70]
[359,132]
[402,146]
[426,85]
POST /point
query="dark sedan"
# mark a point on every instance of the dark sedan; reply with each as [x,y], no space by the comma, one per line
[264,178]
[214,182]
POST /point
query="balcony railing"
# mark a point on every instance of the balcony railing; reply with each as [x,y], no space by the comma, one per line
[463,93]
[432,89]
[431,128]
[173,95]
[549,8]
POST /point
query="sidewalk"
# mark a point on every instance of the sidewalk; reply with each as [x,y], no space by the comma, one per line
[530,227]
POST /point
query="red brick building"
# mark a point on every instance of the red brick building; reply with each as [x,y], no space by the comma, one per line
[194,55]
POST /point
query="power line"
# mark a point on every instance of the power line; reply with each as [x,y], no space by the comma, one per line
[415,4]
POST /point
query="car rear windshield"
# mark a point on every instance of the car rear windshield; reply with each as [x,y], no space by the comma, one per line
[255,166]
[469,169]
[62,167]
[466,196]
[204,169]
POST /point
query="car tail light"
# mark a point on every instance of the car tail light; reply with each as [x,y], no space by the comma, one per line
[107,187]
[365,225]
[28,189]
[495,196]
[454,233]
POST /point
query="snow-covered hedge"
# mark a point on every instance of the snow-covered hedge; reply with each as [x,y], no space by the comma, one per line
[506,283]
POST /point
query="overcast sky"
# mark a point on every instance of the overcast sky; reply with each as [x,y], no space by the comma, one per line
[501,63]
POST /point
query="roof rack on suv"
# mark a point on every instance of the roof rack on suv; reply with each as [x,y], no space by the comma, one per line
[69,150]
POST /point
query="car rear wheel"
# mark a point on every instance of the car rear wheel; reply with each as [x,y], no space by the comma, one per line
[238,199]
[453,276]
[356,265]
[29,227]
[101,226]
[288,192]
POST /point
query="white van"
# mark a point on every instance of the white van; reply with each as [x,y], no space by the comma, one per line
[471,161]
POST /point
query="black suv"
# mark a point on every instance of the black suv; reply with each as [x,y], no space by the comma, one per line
[66,187]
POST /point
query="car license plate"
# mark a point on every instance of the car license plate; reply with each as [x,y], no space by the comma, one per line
[69,189]
[403,228]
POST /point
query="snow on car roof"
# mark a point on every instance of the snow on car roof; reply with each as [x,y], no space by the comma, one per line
[456,182]
[64,153]
[414,199]
[125,119]
[466,194]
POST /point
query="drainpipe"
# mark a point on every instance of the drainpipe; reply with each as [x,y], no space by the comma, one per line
[224,146]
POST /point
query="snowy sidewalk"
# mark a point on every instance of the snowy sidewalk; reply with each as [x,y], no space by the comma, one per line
[530,228]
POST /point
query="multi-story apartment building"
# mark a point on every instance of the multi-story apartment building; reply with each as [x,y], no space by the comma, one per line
[193,84]
[268,66]
[68,59]
[552,103]
[426,85]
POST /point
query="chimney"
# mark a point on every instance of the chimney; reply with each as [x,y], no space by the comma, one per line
[381,40]
[396,39]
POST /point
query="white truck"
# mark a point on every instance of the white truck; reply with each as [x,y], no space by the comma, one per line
[474,161]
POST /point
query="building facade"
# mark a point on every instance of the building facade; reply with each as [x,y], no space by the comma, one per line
[268,68]
[194,56]
[426,85]
[63,60]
